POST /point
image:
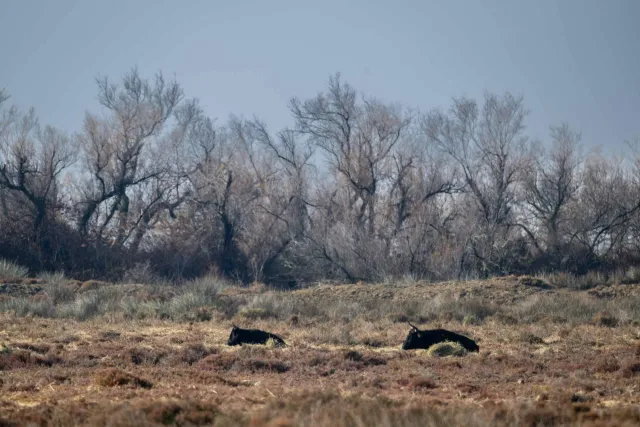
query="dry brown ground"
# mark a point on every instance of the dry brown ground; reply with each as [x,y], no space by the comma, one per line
[113,371]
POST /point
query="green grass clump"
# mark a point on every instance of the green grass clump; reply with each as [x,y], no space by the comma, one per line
[271,343]
[446,349]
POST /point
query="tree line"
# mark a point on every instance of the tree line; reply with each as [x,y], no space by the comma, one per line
[357,189]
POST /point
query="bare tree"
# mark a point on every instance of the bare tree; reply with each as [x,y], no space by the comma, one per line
[489,147]
[606,204]
[176,155]
[196,189]
[357,189]
[228,181]
[122,154]
[32,160]
[357,139]
[630,244]
[7,115]
[550,185]
[361,141]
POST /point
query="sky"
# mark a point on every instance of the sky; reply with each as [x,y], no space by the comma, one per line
[574,61]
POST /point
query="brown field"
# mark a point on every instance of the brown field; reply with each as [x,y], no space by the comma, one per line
[547,357]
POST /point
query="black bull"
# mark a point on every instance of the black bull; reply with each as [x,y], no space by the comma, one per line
[241,336]
[418,339]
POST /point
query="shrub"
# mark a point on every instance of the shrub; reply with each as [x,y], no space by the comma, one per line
[40,307]
[401,311]
[50,277]
[84,307]
[140,273]
[57,287]
[269,305]
[632,275]
[605,319]
[576,309]
[11,270]
[132,308]
[145,356]
[115,377]
[194,296]
[354,356]
[182,305]
[284,305]
[208,286]
[558,308]
[91,304]
[530,338]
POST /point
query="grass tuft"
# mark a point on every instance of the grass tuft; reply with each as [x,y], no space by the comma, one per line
[11,270]
[271,343]
[446,349]
[57,287]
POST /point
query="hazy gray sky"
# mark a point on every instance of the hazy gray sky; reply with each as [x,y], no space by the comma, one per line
[573,60]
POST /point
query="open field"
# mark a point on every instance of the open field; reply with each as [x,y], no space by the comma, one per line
[148,356]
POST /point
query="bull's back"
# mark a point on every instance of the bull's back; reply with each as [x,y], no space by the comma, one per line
[261,337]
[255,336]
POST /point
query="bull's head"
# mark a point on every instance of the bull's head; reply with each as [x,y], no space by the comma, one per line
[234,337]
[413,339]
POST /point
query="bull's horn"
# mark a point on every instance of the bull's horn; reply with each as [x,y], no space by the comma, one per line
[413,326]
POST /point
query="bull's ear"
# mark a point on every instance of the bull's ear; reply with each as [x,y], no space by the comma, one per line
[234,326]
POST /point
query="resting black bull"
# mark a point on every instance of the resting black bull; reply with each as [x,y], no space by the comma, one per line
[241,336]
[423,339]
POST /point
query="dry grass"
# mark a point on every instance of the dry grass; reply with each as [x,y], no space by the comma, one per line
[343,365]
